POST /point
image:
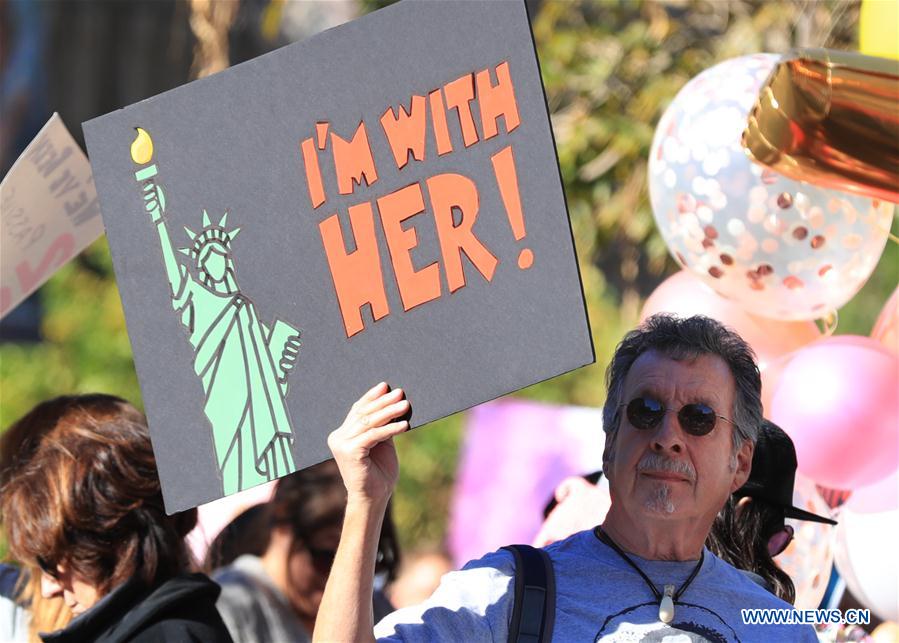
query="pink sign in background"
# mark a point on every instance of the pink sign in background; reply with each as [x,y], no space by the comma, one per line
[513,456]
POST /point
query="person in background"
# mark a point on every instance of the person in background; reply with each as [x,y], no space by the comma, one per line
[275,596]
[578,503]
[247,533]
[17,445]
[86,509]
[751,530]
[418,577]
[14,618]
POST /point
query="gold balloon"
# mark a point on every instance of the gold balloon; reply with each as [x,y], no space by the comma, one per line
[830,118]
[878,28]
[142,147]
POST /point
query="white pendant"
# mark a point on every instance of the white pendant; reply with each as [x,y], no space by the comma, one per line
[666,605]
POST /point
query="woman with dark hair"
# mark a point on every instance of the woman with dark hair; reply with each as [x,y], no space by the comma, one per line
[85,507]
[17,444]
[751,528]
[275,596]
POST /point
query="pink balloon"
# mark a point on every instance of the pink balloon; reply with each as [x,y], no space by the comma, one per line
[772,373]
[685,295]
[886,328]
[880,496]
[837,399]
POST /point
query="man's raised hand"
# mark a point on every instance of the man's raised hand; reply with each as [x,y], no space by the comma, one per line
[363,445]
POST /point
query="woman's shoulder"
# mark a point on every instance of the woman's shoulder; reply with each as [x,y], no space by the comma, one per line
[181,608]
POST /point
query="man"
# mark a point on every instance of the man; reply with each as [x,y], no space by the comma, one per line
[749,531]
[681,416]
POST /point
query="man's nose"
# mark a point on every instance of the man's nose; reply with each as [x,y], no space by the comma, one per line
[50,587]
[668,435]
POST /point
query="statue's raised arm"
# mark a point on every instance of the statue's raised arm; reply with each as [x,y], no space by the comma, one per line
[154,204]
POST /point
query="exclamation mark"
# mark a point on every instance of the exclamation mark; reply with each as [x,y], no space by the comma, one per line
[507,179]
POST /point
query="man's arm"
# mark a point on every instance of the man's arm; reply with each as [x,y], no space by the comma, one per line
[364,452]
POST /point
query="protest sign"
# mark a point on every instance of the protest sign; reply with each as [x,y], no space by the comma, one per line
[400,215]
[48,212]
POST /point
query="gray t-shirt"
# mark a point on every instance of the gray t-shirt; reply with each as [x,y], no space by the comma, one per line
[599,597]
[253,608]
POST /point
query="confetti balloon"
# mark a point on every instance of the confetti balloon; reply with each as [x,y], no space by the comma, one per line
[809,557]
[779,248]
[684,295]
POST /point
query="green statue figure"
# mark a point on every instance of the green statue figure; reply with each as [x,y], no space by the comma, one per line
[242,363]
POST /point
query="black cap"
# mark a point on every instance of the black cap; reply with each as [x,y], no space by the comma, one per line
[774,472]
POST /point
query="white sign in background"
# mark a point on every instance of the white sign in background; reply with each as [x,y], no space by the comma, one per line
[48,212]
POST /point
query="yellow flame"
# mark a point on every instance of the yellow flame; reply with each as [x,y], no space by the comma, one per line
[142,147]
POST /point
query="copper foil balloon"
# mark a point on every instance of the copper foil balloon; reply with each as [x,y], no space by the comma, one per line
[780,248]
[830,118]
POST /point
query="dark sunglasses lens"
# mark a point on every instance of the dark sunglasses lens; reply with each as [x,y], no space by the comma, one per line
[780,540]
[697,419]
[644,413]
[46,567]
[323,559]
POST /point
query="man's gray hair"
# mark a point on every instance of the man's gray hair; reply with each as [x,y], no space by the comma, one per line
[677,338]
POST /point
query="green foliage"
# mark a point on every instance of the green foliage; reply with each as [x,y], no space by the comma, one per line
[85,347]
[610,69]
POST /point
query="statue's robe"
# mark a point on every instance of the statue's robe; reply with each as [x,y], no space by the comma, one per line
[244,384]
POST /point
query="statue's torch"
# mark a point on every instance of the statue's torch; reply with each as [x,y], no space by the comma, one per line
[142,154]
[154,203]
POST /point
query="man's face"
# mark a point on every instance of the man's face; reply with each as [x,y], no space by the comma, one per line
[665,472]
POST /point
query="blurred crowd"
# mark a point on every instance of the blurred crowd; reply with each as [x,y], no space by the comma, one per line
[91,552]
[88,537]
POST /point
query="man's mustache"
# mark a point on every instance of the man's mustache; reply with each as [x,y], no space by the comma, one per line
[656,462]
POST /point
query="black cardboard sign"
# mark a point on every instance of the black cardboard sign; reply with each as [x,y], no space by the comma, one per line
[379,202]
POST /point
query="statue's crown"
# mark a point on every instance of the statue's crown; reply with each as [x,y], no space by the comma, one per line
[210,234]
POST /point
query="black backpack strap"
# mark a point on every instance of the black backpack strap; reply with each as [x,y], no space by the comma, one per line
[534,607]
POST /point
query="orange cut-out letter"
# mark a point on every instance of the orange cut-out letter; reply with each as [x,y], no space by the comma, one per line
[406,131]
[321,133]
[353,161]
[415,287]
[438,119]
[313,174]
[459,94]
[356,275]
[449,191]
[497,100]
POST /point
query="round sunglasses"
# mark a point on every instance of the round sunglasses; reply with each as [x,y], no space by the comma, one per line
[646,413]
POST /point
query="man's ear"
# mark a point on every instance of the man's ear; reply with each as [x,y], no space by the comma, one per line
[744,465]
[608,453]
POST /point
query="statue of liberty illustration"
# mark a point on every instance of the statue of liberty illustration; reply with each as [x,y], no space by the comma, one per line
[242,363]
